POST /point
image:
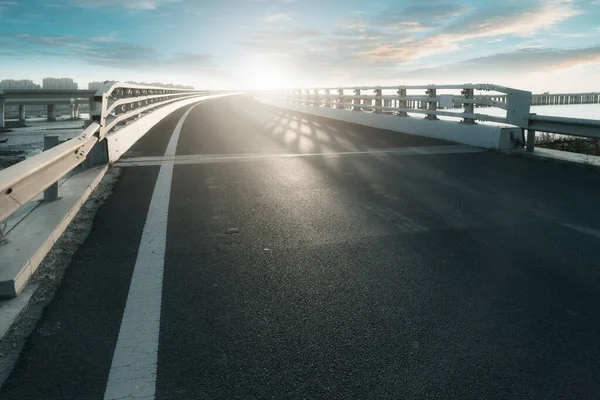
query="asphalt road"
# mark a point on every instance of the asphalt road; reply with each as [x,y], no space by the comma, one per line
[363,264]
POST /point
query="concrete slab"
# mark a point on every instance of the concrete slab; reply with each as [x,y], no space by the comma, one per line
[566,156]
[33,237]
[489,136]
[24,212]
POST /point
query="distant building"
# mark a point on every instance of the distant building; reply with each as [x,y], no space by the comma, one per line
[95,85]
[59,84]
[18,84]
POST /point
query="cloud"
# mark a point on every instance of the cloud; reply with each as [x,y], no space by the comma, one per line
[359,48]
[277,17]
[131,4]
[524,61]
[105,51]
[420,15]
[522,20]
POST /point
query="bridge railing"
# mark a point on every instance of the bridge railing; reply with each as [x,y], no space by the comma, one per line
[442,100]
[120,103]
[123,102]
[432,101]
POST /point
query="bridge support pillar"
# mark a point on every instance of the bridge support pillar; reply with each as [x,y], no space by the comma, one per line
[74,110]
[22,113]
[92,106]
[2,103]
[51,113]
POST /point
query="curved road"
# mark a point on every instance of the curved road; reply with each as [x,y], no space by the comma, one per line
[255,253]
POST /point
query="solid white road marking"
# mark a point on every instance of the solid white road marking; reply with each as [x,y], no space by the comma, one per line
[133,370]
[216,158]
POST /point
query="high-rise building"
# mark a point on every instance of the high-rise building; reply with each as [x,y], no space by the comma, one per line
[59,84]
[95,85]
[18,84]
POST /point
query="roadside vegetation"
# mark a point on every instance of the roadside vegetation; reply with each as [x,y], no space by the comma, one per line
[568,143]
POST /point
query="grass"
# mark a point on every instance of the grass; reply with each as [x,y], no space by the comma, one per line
[566,143]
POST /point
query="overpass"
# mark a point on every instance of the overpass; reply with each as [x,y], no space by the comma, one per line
[22,97]
[286,246]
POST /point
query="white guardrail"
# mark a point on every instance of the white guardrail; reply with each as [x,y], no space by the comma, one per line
[452,101]
[116,105]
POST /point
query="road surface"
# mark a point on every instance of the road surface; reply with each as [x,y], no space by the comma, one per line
[253,253]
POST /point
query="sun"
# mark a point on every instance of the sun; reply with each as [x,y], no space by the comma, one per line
[264,75]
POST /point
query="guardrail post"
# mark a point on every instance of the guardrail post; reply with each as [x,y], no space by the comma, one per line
[340,98]
[97,155]
[530,140]
[356,100]
[378,103]
[402,103]
[431,104]
[469,107]
[51,194]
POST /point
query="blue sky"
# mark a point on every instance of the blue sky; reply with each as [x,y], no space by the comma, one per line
[537,45]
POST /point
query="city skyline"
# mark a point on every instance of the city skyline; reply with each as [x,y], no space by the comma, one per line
[70,84]
[537,45]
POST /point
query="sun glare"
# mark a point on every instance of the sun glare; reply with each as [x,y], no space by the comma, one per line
[265,75]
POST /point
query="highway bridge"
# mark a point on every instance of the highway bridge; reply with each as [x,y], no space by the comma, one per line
[252,251]
[75,98]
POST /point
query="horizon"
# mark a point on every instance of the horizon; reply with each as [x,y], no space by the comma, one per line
[539,45]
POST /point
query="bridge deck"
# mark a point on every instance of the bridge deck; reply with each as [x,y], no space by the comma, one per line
[391,267]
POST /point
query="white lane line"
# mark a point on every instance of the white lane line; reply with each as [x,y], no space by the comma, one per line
[133,370]
[587,231]
[216,158]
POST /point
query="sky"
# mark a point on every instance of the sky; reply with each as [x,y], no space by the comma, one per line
[537,45]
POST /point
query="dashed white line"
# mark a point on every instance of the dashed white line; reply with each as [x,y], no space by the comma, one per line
[587,231]
[133,369]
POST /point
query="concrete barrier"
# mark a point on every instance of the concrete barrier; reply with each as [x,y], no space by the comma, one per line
[491,136]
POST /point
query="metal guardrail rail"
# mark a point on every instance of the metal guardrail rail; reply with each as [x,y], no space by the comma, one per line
[433,103]
[120,103]
[588,128]
[22,182]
